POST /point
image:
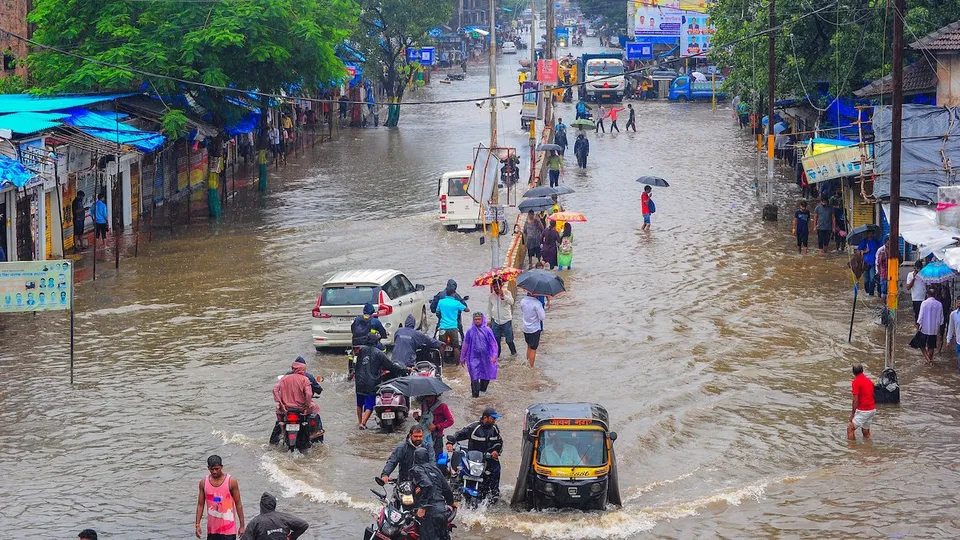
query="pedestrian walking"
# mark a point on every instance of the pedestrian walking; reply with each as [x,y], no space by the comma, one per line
[864,407]
[825,223]
[100,226]
[953,330]
[918,290]
[500,307]
[601,114]
[647,207]
[836,202]
[928,325]
[479,353]
[868,247]
[581,149]
[273,525]
[342,102]
[631,119]
[532,230]
[434,416]
[87,534]
[801,227]
[554,167]
[613,118]
[79,217]
[560,137]
[220,495]
[881,270]
[565,249]
[533,316]
[941,291]
[549,241]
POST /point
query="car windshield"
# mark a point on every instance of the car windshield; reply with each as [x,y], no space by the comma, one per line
[349,295]
[567,448]
[457,187]
[605,69]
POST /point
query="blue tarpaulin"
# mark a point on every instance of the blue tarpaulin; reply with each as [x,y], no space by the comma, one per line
[13,172]
[13,103]
[245,125]
[30,122]
[110,130]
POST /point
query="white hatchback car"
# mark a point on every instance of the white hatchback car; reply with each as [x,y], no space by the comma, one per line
[344,294]
[509,47]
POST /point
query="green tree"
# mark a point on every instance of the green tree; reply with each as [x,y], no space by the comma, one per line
[264,45]
[613,14]
[387,29]
[843,46]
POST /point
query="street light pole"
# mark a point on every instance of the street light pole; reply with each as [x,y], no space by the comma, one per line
[893,261]
[548,55]
[770,208]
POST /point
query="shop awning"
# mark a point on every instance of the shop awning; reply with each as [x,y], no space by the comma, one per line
[111,130]
[13,172]
[918,226]
[14,103]
[30,122]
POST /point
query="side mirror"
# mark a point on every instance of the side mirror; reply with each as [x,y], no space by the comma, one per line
[419,287]
[465,298]
[612,436]
[379,481]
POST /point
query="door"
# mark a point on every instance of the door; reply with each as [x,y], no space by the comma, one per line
[460,206]
[116,197]
[24,229]
[401,304]
[411,298]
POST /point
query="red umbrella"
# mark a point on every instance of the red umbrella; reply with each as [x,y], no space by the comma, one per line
[503,273]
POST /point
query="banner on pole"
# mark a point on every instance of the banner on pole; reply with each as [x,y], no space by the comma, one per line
[35,286]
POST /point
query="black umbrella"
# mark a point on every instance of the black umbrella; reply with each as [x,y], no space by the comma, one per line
[547,147]
[536,204]
[540,283]
[860,233]
[654,181]
[564,189]
[547,191]
[418,385]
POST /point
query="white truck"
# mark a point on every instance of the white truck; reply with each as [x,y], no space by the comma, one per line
[602,77]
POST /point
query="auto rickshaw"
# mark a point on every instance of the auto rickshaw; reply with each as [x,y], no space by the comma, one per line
[567,458]
[567,75]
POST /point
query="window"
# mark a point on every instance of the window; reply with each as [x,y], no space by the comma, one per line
[569,448]
[393,288]
[457,187]
[9,61]
[408,287]
[605,69]
[349,296]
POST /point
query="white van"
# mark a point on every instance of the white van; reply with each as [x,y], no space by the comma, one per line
[457,209]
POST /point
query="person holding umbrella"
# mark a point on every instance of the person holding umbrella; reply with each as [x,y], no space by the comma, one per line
[565,249]
[479,353]
[533,317]
[646,207]
[532,230]
[555,166]
[434,416]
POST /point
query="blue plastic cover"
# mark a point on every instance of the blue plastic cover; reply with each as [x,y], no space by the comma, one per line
[107,128]
[12,103]
[30,122]
[13,172]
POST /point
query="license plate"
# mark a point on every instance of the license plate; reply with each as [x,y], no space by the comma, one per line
[388,416]
[605,95]
[293,427]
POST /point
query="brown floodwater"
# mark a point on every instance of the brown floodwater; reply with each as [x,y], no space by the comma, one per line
[720,353]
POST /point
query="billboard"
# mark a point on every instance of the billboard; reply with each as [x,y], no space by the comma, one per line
[36,286]
[670,19]
[696,33]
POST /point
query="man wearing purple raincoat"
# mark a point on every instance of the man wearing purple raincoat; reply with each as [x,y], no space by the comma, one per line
[479,353]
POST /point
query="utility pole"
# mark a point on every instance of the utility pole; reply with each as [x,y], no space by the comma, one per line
[893,263]
[770,208]
[495,200]
[548,55]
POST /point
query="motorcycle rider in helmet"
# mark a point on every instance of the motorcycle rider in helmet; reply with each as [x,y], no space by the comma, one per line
[433,496]
[484,437]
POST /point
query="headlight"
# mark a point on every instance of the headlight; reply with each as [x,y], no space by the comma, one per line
[406,499]
[476,469]
[548,487]
[596,487]
[389,530]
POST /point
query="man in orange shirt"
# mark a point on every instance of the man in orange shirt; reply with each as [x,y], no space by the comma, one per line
[864,408]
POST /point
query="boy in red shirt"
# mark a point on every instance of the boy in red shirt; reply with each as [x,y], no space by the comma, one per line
[864,408]
[645,207]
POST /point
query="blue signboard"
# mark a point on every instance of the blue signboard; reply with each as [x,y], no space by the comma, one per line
[426,56]
[639,51]
[413,54]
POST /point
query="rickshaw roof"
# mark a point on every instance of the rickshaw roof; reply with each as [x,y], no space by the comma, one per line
[542,413]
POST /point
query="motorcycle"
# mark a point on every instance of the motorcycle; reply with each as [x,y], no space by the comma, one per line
[391,407]
[352,354]
[298,428]
[468,473]
[397,519]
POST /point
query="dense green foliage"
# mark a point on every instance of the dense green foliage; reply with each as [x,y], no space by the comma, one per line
[387,28]
[611,13]
[844,46]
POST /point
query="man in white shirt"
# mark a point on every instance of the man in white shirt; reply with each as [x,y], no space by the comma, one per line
[500,309]
[928,324]
[533,317]
[918,290]
[953,330]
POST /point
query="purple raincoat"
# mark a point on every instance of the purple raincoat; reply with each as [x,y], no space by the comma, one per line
[478,351]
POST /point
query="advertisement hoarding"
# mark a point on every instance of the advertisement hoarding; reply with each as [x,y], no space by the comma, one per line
[36,286]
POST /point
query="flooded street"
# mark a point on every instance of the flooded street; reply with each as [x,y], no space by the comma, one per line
[720,353]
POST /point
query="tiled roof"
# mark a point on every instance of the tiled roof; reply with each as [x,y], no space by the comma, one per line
[919,77]
[944,39]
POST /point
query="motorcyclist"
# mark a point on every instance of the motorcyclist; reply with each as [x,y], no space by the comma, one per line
[433,497]
[367,328]
[273,525]
[408,339]
[315,388]
[371,362]
[449,327]
[484,436]
[294,392]
[402,455]
[449,290]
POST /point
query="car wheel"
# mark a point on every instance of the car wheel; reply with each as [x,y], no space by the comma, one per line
[682,99]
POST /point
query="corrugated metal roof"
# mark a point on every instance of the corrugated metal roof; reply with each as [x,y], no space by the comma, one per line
[112,130]
[378,277]
[13,103]
[30,122]
[918,78]
[944,39]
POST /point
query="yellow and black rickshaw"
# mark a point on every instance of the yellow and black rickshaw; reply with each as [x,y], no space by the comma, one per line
[567,458]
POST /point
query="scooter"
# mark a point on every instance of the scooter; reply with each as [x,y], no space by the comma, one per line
[428,356]
[468,473]
[397,519]
[391,408]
